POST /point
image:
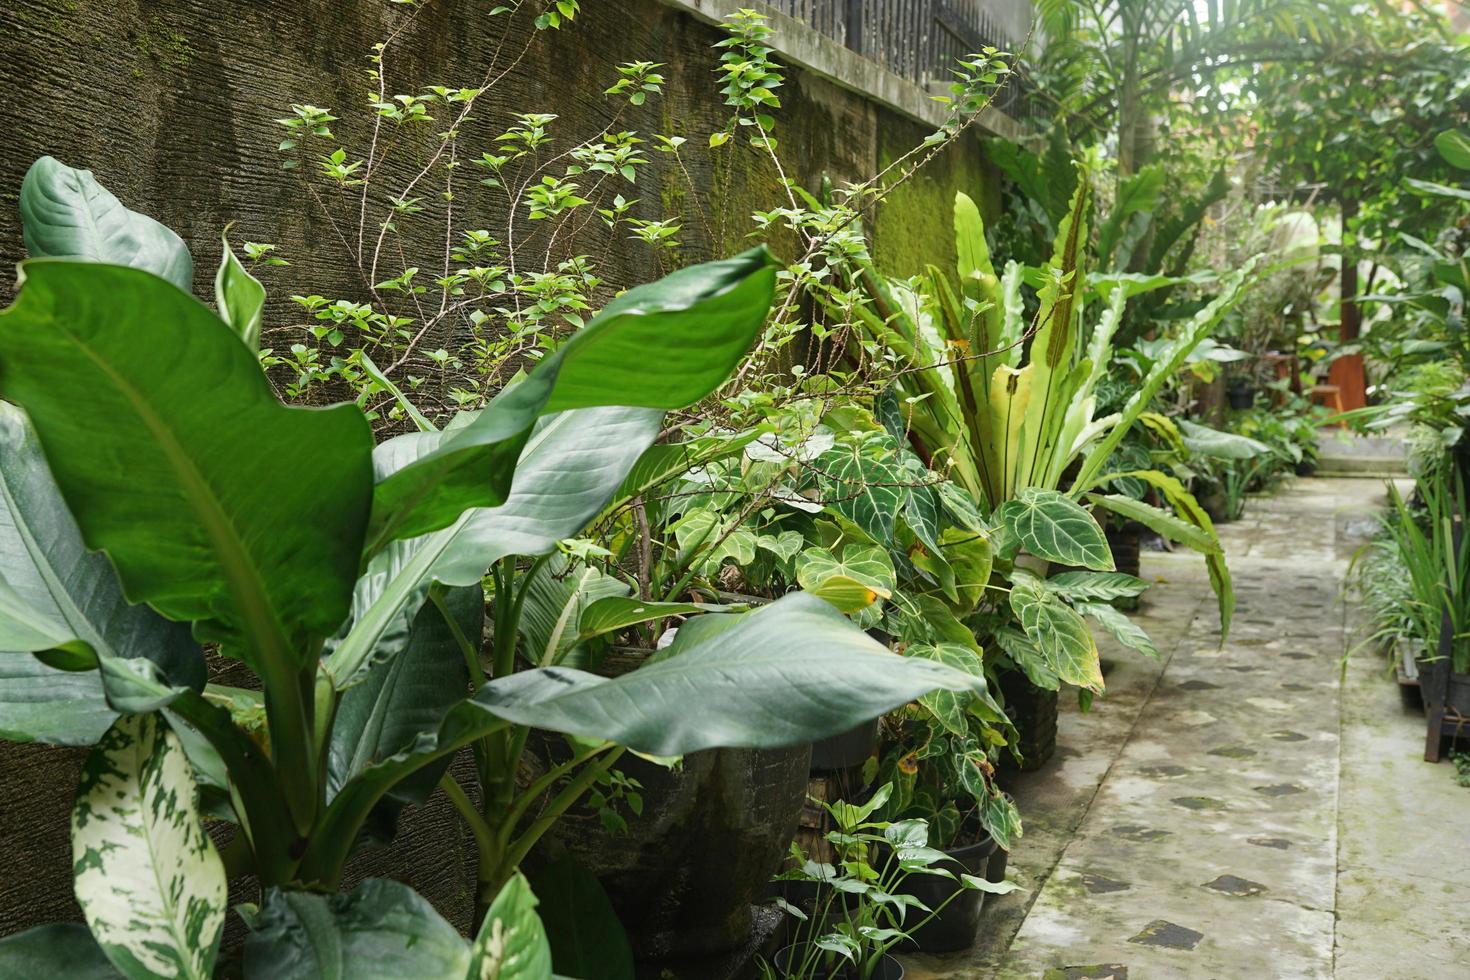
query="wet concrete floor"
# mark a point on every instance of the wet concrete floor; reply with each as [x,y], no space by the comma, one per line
[1247,810]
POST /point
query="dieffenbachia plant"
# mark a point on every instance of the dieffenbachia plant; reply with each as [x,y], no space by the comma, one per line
[152,479]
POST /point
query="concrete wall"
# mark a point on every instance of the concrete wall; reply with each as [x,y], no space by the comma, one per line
[172,102]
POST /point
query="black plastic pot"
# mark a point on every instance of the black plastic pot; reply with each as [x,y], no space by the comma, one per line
[957,924]
[888,968]
[845,749]
[1124,543]
[1033,710]
[1241,395]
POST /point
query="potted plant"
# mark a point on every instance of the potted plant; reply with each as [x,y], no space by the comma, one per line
[865,906]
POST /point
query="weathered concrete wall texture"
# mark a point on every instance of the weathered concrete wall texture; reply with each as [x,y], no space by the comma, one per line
[172,102]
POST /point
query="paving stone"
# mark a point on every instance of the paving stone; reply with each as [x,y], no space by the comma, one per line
[1232,885]
[1287,736]
[1198,802]
[1279,843]
[1102,885]
[1163,772]
[1161,932]
[1233,752]
[1198,685]
[1101,971]
[1140,833]
[1280,789]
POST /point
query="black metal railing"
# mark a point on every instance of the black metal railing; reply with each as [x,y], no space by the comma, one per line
[919,40]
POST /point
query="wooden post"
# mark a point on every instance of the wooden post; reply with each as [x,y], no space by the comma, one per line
[1347,371]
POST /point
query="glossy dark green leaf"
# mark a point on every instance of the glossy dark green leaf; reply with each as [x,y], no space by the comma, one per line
[569,470]
[62,951]
[790,672]
[408,694]
[65,213]
[587,940]
[381,930]
[47,569]
[215,502]
[662,345]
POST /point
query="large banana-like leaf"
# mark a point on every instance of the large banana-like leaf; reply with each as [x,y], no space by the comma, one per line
[409,693]
[791,672]
[215,502]
[65,213]
[71,594]
[662,345]
[61,951]
[148,878]
[570,468]
[381,930]
[557,598]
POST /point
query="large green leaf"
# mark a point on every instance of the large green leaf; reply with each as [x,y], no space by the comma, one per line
[148,878]
[948,707]
[408,694]
[1051,525]
[557,598]
[860,577]
[1059,632]
[215,502]
[62,951]
[1124,630]
[1159,521]
[662,345]
[790,672]
[1207,441]
[587,940]
[382,930]
[1454,146]
[570,468]
[1136,193]
[65,213]
[1101,586]
[863,482]
[72,594]
[512,943]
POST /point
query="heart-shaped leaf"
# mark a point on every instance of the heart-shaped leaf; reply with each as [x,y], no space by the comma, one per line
[1061,634]
[1053,526]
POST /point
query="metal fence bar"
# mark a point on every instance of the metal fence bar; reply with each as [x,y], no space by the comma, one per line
[919,40]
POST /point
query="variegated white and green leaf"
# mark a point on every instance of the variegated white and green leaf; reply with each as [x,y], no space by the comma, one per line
[1059,632]
[148,878]
[512,943]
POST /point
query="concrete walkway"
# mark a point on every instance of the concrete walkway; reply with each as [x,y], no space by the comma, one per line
[1245,810]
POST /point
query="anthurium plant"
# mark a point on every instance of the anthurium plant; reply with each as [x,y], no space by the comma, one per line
[158,499]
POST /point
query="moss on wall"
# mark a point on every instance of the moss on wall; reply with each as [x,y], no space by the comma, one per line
[172,104]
